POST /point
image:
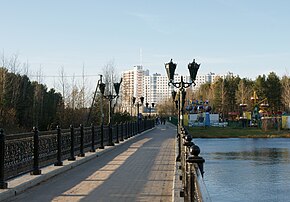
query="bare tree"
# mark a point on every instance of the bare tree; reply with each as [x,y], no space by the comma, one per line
[83,87]
[3,73]
[25,68]
[14,64]
[286,92]
[39,75]
[63,87]
[109,78]
[3,61]
[243,92]
[63,84]
[166,108]
[38,98]
[85,96]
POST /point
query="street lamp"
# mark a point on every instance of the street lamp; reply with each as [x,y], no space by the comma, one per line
[170,69]
[179,98]
[149,108]
[138,114]
[110,97]
[152,104]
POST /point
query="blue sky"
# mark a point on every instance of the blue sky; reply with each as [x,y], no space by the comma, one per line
[245,37]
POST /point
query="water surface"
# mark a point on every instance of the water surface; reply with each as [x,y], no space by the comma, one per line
[246,169]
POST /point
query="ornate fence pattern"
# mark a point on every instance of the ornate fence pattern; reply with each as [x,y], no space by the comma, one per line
[28,152]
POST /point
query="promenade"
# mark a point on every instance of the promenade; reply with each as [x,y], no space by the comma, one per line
[139,169]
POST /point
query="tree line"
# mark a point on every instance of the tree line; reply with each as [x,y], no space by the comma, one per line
[25,104]
[226,94]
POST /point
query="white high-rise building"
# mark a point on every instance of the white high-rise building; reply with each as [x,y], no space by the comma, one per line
[132,86]
[155,89]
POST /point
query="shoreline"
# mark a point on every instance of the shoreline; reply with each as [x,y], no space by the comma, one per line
[249,136]
[228,132]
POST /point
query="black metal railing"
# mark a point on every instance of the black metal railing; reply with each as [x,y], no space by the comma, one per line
[191,167]
[29,152]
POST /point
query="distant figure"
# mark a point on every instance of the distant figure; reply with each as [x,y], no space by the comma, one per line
[163,120]
[157,120]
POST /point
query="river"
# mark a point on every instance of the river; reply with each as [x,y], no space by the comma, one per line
[244,169]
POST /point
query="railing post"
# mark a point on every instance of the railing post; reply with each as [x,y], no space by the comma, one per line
[36,170]
[194,158]
[93,138]
[126,130]
[82,154]
[59,162]
[178,159]
[138,125]
[187,143]
[122,132]
[191,191]
[72,144]
[132,128]
[182,155]
[110,135]
[102,136]
[117,130]
[3,184]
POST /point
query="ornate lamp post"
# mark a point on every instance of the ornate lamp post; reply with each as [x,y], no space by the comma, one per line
[184,139]
[175,100]
[138,114]
[180,101]
[170,69]
[149,108]
[110,97]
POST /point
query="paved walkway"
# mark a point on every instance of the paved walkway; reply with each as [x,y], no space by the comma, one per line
[140,169]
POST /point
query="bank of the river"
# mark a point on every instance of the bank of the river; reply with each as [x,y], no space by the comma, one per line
[228,132]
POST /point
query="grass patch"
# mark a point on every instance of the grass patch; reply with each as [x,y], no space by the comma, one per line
[229,132]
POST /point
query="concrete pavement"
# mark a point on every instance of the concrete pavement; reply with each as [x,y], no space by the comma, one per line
[140,169]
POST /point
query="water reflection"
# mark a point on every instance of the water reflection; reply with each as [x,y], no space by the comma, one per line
[258,155]
[246,169]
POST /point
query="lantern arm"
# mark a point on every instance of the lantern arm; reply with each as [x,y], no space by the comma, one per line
[110,97]
[187,84]
[181,84]
[175,84]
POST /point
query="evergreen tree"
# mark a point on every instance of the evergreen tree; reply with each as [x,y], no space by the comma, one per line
[273,91]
